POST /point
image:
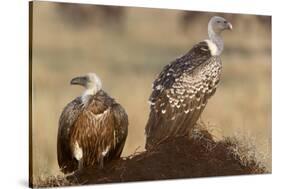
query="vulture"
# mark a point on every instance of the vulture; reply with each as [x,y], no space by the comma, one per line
[182,89]
[92,128]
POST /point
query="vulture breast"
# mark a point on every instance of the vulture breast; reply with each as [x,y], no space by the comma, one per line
[93,130]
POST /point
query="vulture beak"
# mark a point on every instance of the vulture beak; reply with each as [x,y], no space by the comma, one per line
[229,26]
[79,81]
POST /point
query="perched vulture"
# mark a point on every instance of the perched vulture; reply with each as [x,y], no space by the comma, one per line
[92,128]
[183,88]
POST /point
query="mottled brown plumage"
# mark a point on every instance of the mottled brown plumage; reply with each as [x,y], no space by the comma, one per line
[183,88]
[92,131]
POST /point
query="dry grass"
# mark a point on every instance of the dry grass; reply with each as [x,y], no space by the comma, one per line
[51,181]
[127,62]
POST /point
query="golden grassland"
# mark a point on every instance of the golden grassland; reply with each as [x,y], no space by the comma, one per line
[128,60]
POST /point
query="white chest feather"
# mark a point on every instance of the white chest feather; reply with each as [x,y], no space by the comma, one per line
[77,151]
[105,151]
[212,47]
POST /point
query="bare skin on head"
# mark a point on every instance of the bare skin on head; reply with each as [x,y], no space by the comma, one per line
[215,27]
[90,81]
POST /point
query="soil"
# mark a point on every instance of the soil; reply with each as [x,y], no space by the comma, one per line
[175,158]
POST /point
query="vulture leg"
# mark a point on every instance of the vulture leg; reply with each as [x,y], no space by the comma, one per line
[80,164]
[101,163]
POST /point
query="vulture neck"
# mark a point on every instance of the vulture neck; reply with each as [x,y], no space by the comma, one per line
[93,90]
[216,38]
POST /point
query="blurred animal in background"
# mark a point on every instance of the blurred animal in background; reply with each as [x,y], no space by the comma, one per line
[88,15]
[183,88]
[92,128]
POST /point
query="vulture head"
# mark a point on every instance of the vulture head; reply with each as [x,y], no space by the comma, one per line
[218,24]
[90,81]
[215,27]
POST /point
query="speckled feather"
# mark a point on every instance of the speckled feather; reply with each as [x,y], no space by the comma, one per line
[99,127]
[180,93]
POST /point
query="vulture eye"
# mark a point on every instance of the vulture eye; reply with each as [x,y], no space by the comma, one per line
[225,22]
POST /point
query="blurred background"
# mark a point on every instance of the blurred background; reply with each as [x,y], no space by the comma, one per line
[127,48]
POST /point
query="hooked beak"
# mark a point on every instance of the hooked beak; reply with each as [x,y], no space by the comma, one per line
[79,81]
[229,26]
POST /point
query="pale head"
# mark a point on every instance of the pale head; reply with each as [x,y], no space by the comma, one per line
[90,81]
[215,27]
[218,24]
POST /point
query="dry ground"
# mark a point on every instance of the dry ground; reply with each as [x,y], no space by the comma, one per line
[198,155]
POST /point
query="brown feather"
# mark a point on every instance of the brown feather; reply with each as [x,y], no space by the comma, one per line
[100,130]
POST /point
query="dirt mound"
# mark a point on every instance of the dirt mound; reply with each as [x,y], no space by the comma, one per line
[183,157]
[197,155]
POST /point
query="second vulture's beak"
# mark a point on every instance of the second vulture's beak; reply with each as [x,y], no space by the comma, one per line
[229,26]
[79,81]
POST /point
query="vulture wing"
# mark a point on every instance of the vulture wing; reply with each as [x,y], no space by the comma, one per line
[66,161]
[121,129]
